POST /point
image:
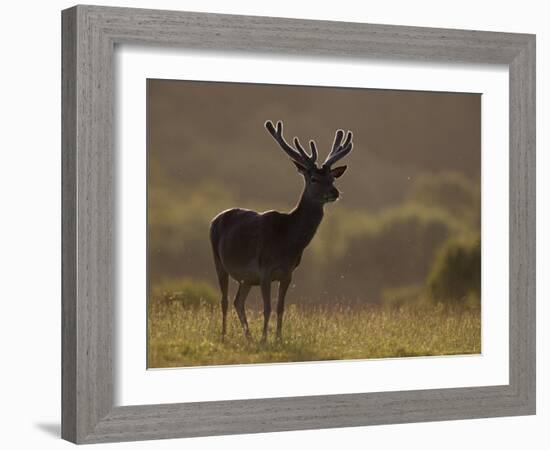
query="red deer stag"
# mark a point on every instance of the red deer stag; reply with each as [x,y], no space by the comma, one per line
[258,248]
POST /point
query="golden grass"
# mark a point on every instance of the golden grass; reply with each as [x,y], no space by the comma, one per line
[179,336]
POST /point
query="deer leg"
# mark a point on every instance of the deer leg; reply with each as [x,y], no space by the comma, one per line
[266,295]
[240,298]
[283,287]
[223,279]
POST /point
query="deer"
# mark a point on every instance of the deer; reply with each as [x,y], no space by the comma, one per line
[257,249]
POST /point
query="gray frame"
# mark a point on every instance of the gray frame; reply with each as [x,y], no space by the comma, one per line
[89,36]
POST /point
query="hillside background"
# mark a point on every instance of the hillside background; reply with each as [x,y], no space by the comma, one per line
[409,217]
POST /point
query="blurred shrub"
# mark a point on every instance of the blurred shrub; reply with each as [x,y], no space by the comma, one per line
[356,257]
[178,223]
[191,293]
[451,192]
[456,273]
[397,297]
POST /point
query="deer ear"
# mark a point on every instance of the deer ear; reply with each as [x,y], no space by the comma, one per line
[300,168]
[337,172]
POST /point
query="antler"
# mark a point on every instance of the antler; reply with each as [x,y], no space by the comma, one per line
[339,150]
[298,154]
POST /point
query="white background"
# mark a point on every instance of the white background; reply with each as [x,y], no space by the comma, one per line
[30,229]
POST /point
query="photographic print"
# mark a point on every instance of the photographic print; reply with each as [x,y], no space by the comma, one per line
[305,223]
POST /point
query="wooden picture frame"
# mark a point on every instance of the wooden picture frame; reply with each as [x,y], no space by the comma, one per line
[90,34]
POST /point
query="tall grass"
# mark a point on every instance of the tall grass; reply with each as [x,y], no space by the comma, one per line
[181,336]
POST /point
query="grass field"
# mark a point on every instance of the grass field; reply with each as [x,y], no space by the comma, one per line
[181,336]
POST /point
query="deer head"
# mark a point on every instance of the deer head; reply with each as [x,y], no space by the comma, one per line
[319,181]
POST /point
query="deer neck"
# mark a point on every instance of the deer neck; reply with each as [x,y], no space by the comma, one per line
[306,217]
